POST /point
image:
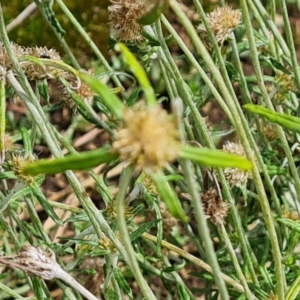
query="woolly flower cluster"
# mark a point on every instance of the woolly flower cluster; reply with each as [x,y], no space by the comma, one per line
[213,206]
[222,20]
[32,70]
[148,138]
[36,70]
[123,19]
[236,177]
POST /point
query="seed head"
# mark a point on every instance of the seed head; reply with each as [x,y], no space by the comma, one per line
[236,177]
[17,164]
[34,261]
[213,206]
[222,20]
[36,71]
[148,138]
[284,81]
[123,19]
[111,211]
[106,244]
[18,51]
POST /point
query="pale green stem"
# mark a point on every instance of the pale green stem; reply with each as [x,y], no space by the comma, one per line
[61,39]
[27,95]
[236,262]
[88,40]
[10,292]
[195,64]
[271,25]
[196,261]
[290,41]
[247,99]
[204,132]
[280,276]
[132,261]
[203,228]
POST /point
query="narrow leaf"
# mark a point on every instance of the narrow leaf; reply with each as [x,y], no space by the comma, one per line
[114,104]
[138,72]
[45,204]
[290,223]
[82,161]
[168,195]
[293,290]
[143,228]
[122,282]
[287,121]
[215,158]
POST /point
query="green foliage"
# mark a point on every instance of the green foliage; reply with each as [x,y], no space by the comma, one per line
[211,211]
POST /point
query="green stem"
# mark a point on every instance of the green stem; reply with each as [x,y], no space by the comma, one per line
[88,40]
[200,126]
[61,39]
[235,262]
[132,261]
[280,276]
[290,41]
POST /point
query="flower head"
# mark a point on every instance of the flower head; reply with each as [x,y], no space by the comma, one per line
[18,51]
[17,164]
[213,206]
[35,71]
[34,261]
[123,19]
[236,177]
[222,20]
[148,139]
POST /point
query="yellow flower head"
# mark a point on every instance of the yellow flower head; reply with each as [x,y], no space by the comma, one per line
[148,139]
[17,164]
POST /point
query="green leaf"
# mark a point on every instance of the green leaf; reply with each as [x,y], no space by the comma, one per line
[290,223]
[83,161]
[182,292]
[175,268]
[45,204]
[293,290]
[2,118]
[26,142]
[143,228]
[285,120]
[215,158]
[122,282]
[138,72]
[114,104]
[111,294]
[168,195]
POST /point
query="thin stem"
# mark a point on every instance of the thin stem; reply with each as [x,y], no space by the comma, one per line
[67,278]
[196,261]
[88,40]
[61,39]
[235,262]
[132,261]
[290,41]
[200,126]
[280,275]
